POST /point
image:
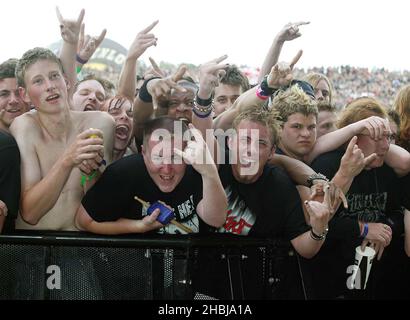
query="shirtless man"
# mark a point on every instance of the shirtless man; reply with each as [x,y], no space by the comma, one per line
[55,144]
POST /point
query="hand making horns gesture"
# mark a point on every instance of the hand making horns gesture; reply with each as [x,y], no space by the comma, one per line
[70,29]
[281,73]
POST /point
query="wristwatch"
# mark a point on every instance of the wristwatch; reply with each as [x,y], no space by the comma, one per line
[319,237]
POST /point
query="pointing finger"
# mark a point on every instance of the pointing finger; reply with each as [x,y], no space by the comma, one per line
[155,66]
[351,145]
[150,27]
[301,23]
[179,73]
[220,59]
[296,59]
[59,16]
[195,133]
[369,159]
[102,36]
[81,17]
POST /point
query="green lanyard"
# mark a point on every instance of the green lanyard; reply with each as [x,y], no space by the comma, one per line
[85,178]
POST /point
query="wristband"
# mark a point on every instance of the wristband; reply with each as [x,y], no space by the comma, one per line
[204,102]
[365,231]
[319,237]
[316,176]
[143,94]
[78,69]
[79,60]
[264,89]
[200,114]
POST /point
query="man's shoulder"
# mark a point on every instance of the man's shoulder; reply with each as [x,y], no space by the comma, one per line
[93,119]
[330,156]
[25,122]
[276,174]
[129,164]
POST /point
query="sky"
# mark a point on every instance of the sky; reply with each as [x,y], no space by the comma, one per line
[360,33]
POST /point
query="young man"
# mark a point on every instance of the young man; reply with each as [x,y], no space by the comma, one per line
[55,143]
[11,105]
[262,200]
[373,216]
[231,86]
[89,94]
[194,192]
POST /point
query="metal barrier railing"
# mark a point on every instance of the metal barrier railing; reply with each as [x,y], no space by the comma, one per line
[72,265]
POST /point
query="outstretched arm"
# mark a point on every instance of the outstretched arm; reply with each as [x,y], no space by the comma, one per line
[212,207]
[87,45]
[280,75]
[333,140]
[127,81]
[288,33]
[70,31]
[209,75]
[84,222]
[154,88]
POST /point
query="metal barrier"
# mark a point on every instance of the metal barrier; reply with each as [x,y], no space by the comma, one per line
[70,265]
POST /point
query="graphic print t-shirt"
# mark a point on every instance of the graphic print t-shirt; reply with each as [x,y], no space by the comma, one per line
[269,207]
[112,197]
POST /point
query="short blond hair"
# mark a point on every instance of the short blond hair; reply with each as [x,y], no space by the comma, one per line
[268,119]
[294,100]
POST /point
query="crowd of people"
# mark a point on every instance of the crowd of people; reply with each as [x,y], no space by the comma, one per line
[294,156]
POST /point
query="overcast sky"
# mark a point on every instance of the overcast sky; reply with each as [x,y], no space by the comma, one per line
[356,32]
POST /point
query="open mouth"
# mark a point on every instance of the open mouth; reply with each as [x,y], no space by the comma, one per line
[14,111]
[166,177]
[122,132]
[89,107]
[247,162]
[53,98]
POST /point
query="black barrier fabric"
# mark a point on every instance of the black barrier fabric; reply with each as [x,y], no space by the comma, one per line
[71,266]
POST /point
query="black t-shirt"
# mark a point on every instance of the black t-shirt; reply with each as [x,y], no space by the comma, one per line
[112,197]
[9,177]
[372,197]
[268,207]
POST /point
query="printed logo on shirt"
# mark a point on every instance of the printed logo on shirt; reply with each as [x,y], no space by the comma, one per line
[240,219]
[366,207]
[186,214]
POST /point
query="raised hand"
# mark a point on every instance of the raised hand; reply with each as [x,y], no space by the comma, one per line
[210,74]
[319,212]
[334,194]
[290,31]
[281,73]
[70,29]
[354,161]
[142,41]
[3,209]
[154,70]
[376,126]
[88,44]
[161,88]
[197,154]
